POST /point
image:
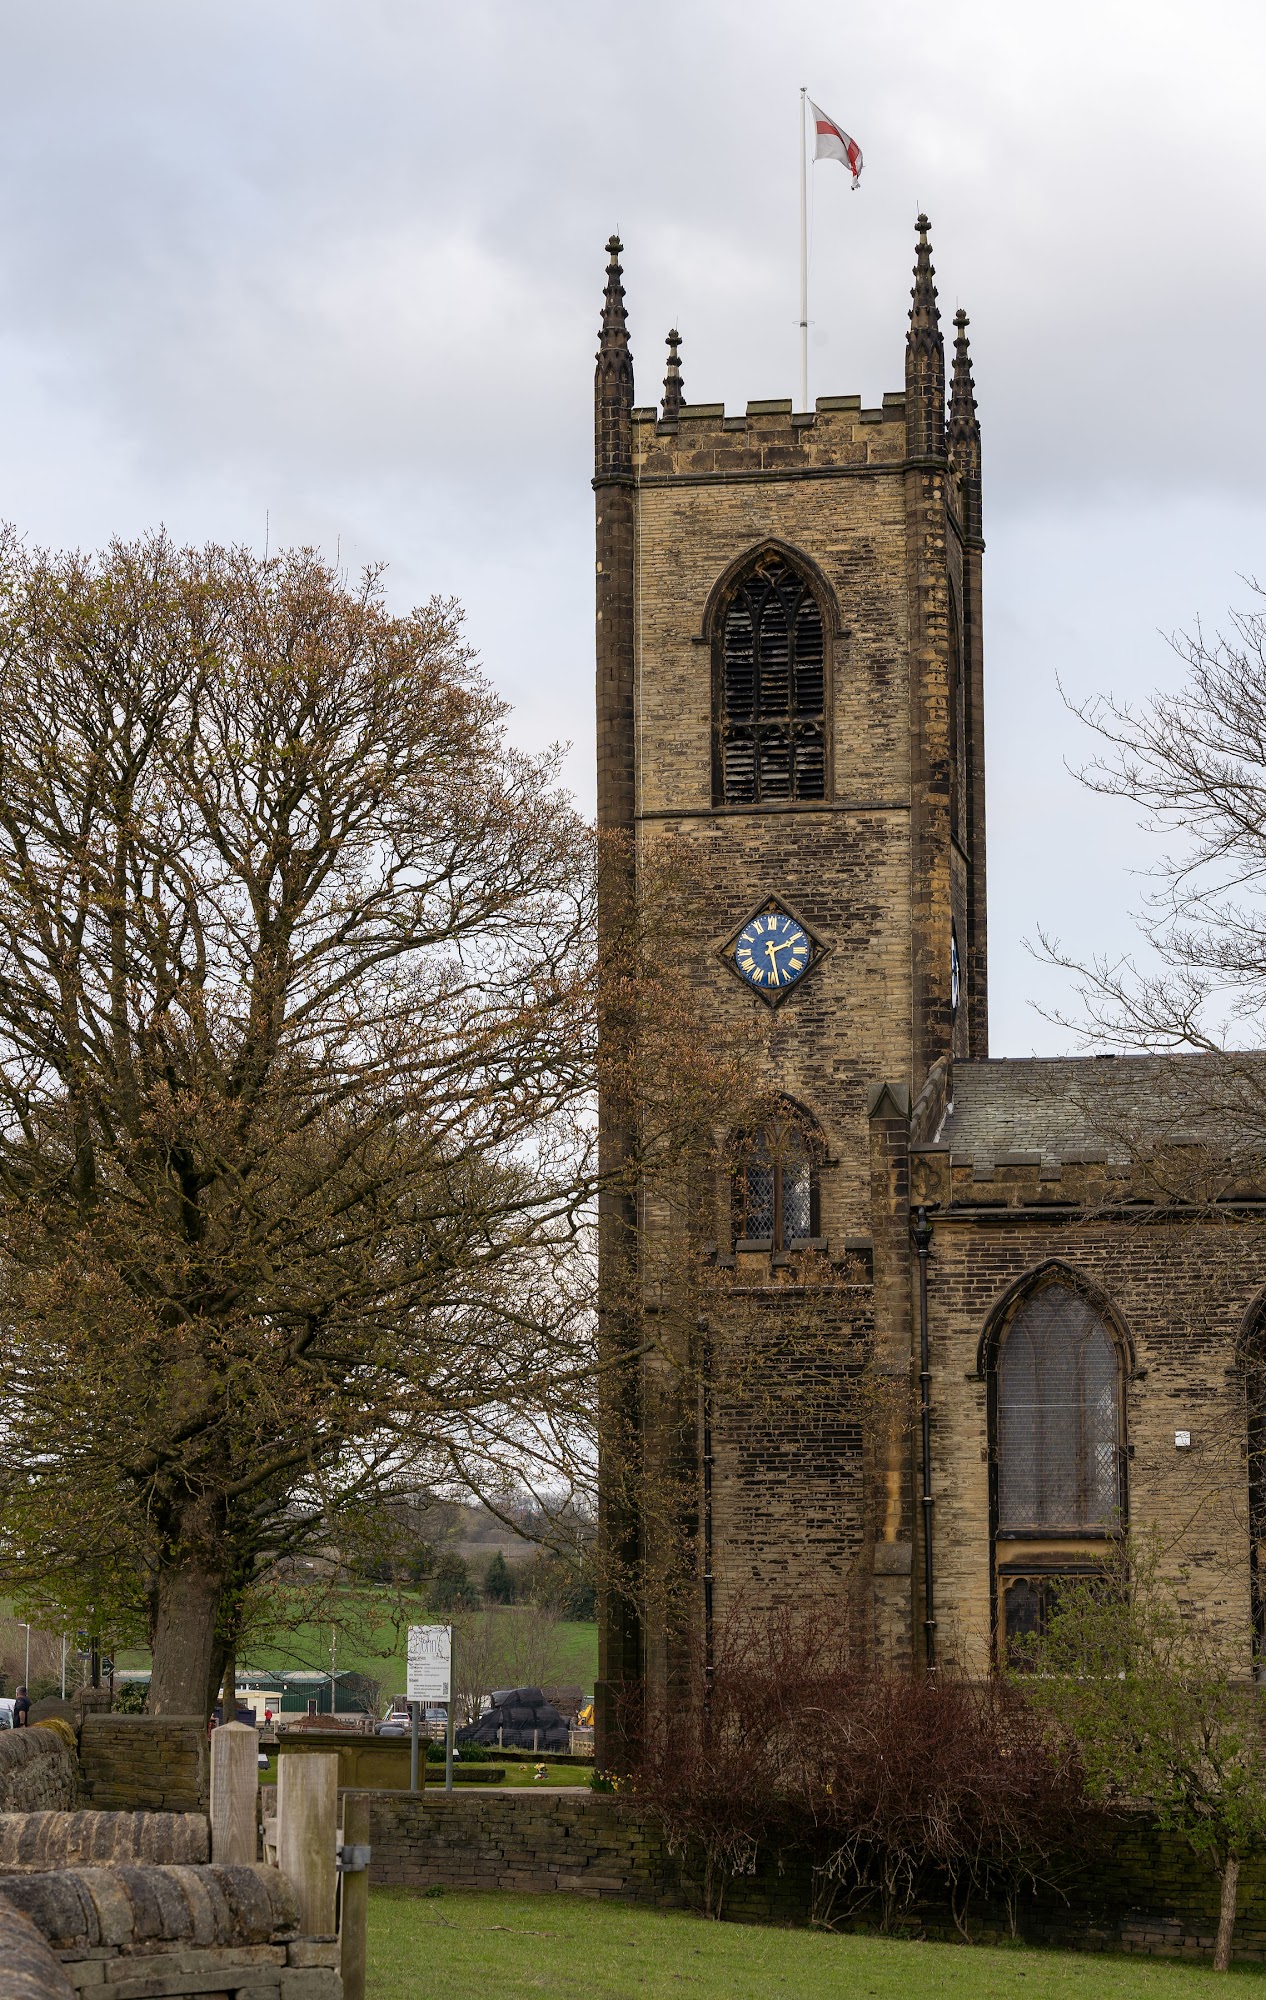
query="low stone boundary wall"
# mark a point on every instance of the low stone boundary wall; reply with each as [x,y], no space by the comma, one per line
[65,1839]
[587,1844]
[149,1932]
[28,1969]
[1131,1888]
[145,1763]
[39,1771]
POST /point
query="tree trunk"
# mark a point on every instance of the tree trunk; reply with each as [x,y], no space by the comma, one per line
[228,1690]
[1226,1915]
[187,1657]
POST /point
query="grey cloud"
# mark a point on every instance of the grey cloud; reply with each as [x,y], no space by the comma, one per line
[342,262]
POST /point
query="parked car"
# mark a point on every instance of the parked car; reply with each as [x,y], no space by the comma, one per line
[6,1711]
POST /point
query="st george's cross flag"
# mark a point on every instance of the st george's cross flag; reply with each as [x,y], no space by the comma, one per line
[831,142]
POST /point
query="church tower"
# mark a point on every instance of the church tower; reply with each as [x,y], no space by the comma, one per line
[789,679]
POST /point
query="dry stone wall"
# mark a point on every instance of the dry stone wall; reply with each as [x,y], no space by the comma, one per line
[28,1969]
[151,1763]
[39,1771]
[1129,1888]
[68,1839]
[155,1933]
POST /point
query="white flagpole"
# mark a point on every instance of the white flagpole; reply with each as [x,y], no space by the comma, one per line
[804,261]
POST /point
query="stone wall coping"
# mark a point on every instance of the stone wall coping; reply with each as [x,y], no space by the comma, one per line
[148,1904]
[66,1839]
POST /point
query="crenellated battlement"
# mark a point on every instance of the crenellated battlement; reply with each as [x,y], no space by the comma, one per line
[769,439]
[1083,1179]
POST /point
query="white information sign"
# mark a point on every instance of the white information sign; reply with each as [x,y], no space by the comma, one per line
[430,1663]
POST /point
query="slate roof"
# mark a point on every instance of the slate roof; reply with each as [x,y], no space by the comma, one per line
[1082,1107]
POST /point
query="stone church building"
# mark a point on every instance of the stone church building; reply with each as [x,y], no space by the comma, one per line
[790,681]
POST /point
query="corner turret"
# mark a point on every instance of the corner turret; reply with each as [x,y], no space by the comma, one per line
[613,379]
[964,428]
[674,401]
[925,359]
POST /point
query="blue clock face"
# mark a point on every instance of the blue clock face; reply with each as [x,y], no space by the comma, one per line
[772,952]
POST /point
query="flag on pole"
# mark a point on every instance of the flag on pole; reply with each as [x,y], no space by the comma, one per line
[831,142]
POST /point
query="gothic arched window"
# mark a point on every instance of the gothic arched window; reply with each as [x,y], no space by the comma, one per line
[1058,1414]
[771,690]
[1254,1365]
[775,1182]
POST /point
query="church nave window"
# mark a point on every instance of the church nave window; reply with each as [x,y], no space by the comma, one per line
[1254,1365]
[1059,1423]
[771,725]
[1058,1450]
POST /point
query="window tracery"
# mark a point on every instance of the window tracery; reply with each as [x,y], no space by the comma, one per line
[771,695]
[1254,1365]
[1059,1402]
[775,1183]
[1058,1448]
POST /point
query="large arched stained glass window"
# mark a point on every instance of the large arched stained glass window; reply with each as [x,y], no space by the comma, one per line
[1058,1417]
[1254,1364]
[771,698]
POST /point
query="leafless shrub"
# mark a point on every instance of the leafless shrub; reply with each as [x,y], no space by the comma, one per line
[893,1786]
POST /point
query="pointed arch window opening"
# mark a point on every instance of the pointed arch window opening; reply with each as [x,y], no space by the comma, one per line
[771,692]
[1059,1442]
[1255,1420]
[774,1185]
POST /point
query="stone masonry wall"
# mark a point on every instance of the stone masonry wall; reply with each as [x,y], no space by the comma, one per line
[788,1500]
[1180,1290]
[38,1771]
[788,1411]
[68,1839]
[587,1844]
[145,1763]
[156,1933]
[1132,1889]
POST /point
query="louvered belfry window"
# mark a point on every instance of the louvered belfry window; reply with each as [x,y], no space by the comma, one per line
[1059,1417]
[772,697]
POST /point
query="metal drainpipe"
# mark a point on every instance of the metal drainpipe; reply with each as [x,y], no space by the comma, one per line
[922,1242]
[705,1359]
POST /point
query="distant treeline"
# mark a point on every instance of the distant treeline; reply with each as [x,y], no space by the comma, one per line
[548,1581]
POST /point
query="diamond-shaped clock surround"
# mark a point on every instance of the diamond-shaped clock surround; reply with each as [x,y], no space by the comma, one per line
[768,906]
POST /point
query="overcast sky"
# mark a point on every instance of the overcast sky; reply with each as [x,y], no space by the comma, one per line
[339,265]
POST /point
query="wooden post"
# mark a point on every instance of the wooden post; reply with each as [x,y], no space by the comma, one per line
[234,1792]
[307,1829]
[354,1930]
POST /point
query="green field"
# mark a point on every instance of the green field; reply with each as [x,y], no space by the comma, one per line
[371,1641]
[465,1947]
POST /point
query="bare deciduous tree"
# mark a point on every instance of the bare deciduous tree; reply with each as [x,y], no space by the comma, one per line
[1193,764]
[296,1004]
[502,1648]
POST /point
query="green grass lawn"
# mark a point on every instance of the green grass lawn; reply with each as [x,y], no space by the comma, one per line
[516,1774]
[467,1947]
[521,1774]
